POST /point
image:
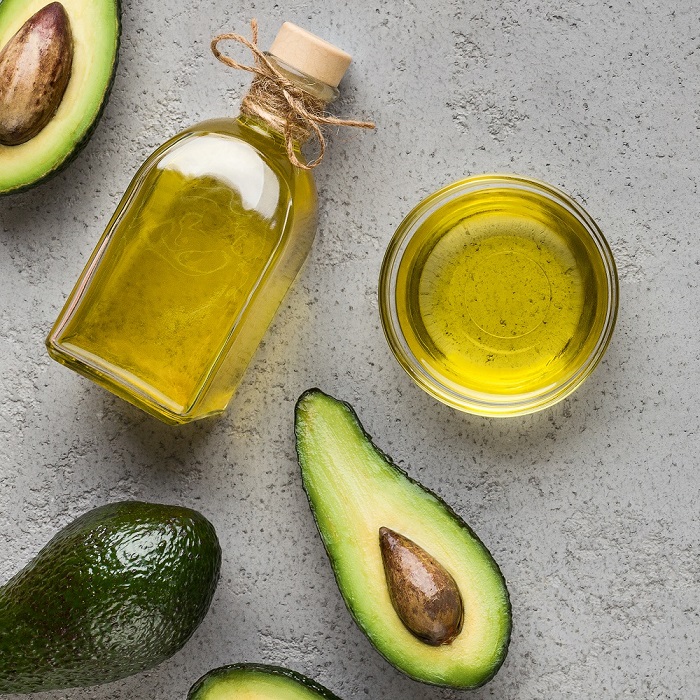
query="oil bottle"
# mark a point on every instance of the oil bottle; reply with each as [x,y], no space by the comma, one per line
[206,241]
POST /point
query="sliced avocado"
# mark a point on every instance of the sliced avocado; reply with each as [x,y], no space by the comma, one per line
[95,28]
[257,682]
[361,501]
[116,592]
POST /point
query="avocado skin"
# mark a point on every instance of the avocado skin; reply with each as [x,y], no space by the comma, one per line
[210,680]
[116,592]
[309,394]
[75,151]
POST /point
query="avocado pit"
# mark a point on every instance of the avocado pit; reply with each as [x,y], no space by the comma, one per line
[35,69]
[424,594]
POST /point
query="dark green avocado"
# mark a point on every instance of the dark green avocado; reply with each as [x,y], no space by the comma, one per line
[247,681]
[94,30]
[415,577]
[116,592]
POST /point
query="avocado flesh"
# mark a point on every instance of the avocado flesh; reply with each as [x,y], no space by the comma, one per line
[354,490]
[116,592]
[257,682]
[96,27]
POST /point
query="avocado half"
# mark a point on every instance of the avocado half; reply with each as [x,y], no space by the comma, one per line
[96,29]
[259,681]
[355,491]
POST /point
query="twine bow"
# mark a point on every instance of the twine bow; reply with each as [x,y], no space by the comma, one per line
[280,102]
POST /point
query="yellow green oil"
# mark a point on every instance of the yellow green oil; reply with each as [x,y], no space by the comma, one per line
[190,271]
[502,292]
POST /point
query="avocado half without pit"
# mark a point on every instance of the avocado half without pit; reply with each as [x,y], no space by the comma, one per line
[257,682]
[415,577]
[57,64]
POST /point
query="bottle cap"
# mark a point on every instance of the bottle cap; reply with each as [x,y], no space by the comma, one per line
[310,54]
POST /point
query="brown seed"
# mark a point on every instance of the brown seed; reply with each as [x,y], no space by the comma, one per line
[422,591]
[35,68]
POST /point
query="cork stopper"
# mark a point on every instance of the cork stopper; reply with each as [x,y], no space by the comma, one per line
[310,54]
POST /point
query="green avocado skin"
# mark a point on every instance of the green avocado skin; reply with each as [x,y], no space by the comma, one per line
[116,592]
[284,677]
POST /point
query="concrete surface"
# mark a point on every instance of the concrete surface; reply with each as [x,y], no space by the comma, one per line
[591,508]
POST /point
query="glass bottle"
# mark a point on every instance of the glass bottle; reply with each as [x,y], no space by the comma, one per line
[201,250]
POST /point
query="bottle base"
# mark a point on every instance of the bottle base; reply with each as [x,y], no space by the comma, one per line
[101,373]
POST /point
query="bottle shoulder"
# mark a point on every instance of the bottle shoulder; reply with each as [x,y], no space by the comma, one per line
[237,157]
[232,149]
[269,144]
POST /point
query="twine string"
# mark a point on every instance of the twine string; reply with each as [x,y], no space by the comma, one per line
[280,102]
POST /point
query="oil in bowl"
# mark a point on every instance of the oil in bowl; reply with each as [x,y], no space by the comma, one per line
[498,295]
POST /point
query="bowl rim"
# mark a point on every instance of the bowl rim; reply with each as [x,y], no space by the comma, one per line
[391,325]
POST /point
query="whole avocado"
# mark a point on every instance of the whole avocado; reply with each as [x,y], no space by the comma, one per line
[116,592]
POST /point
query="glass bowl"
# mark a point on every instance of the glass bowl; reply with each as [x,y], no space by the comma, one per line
[498,295]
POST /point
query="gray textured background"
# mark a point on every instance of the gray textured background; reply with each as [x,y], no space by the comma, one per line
[591,508]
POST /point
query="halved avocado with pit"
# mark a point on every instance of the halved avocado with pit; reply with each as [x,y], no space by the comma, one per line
[95,27]
[417,580]
[258,682]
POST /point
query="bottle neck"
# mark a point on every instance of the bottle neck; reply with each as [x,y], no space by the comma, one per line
[320,90]
[283,110]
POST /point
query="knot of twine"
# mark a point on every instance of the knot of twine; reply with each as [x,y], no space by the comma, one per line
[277,100]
